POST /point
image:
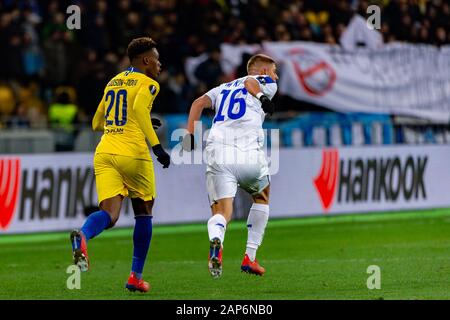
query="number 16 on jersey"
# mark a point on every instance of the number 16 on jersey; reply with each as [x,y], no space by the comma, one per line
[233,105]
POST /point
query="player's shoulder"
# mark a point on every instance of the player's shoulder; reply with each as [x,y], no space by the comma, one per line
[234,83]
[152,85]
[152,82]
[116,80]
[146,81]
[124,78]
[140,75]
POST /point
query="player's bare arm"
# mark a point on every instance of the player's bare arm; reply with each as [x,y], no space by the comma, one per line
[195,113]
[252,85]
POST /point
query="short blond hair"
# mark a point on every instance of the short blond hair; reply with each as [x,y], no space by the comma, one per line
[258,59]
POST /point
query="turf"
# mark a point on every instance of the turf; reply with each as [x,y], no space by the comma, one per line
[308,258]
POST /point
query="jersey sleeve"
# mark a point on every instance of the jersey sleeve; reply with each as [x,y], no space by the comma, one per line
[268,86]
[142,107]
[212,94]
[98,122]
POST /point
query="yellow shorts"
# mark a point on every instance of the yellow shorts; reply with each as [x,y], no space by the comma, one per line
[122,175]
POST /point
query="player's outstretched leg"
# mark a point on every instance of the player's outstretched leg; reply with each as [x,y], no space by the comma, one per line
[142,237]
[256,224]
[94,225]
[216,231]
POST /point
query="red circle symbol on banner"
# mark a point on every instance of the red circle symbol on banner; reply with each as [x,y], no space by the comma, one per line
[315,75]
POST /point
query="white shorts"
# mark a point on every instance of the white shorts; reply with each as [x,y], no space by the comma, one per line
[251,173]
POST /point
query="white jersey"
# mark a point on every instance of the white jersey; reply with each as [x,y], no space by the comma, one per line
[238,114]
[234,151]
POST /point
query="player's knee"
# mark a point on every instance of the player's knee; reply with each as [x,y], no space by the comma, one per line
[262,198]
[143,212]
[142,208]
[114,216]
[113,221]
[112,206]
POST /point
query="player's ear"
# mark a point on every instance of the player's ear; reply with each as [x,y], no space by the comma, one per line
[146,60]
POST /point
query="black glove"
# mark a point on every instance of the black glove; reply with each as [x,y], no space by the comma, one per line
[267,105]
[188,143]
[162,156]
[156,123]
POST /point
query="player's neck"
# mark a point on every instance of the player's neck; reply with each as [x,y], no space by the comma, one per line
[136,68]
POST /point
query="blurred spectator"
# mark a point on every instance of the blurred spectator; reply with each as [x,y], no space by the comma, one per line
[91,77]
[35,110]
[210,71]
[19,119]
[62,116]
[32,57]
[241,71]
[55,38]
[36,45]
[7,100]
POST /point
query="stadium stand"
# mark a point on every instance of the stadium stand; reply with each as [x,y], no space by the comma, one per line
[40,58]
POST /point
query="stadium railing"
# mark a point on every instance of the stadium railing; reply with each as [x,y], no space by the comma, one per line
[16,141]
[314,129]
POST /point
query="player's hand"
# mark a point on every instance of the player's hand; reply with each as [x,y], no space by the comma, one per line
[156,123]
[161,155]
[188,143]
[267,105]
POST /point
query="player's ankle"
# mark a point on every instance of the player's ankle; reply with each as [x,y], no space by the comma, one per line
[251,253]
[137,275]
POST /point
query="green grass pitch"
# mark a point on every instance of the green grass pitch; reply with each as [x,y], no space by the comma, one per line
[309,258]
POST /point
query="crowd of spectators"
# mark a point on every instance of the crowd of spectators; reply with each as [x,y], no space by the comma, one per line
[40,57]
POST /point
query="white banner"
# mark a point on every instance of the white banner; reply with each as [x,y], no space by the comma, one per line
[52,192]
[401,79]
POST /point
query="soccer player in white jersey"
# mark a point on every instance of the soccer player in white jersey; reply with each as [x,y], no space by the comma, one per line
[235,157]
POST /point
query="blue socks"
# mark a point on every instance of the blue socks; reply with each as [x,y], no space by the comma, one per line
[95,224]
[100,220]
[141,239]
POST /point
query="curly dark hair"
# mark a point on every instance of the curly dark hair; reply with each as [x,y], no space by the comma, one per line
[140,45]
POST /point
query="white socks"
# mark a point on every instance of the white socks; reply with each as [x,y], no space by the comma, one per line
[217,225]
[256,224]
